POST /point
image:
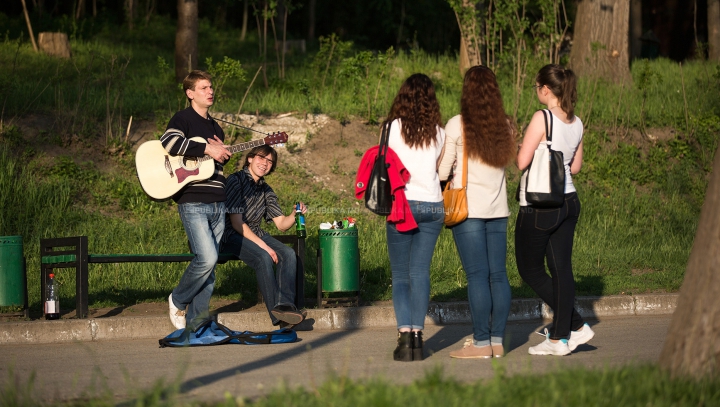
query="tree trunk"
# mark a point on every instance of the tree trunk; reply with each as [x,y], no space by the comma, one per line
[149,10]
[714,30]
[600,44]
[470,41]
[311,21]
[29,26]
[80,11]
[399,39]
[186,38]
[636,28]
[691,346]
[464,59]
[243,31]
[130,13]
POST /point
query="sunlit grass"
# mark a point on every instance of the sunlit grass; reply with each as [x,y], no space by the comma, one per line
[642,385]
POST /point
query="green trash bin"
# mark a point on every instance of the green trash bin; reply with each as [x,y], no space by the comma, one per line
[12,286]
[340,260]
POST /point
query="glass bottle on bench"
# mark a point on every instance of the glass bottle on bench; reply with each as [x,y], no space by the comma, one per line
[52,302]
[299,222]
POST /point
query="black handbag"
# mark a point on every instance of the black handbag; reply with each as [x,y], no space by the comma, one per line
[544,179]
[378,195]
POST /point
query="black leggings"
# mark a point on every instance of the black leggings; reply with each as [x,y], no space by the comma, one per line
[548,233]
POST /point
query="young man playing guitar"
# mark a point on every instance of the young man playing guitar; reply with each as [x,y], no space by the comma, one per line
[250,200]
[201,204]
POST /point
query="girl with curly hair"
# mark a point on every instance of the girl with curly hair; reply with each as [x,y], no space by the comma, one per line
[484,132]
[417,137]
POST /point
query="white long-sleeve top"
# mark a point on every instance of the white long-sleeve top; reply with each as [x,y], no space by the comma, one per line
[486,185]
[424,184]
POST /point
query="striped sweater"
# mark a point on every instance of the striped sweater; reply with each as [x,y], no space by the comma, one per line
[185,125]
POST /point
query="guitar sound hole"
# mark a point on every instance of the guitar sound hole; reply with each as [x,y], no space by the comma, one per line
[190,163]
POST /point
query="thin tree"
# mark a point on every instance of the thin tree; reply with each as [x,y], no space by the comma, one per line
[635,28]
[186,38]
[600,45]
[311,21]
[130,13]
[243,30]
[29,26]
[691,347]
[466,13]
[713,16]
[80,11]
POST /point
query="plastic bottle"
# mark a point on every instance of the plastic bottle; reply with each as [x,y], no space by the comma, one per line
[52,302]
[299,222]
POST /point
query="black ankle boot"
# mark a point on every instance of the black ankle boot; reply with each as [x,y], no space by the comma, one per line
[417,345]
[404,351]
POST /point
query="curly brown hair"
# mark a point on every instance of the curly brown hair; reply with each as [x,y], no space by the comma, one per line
[489,133]
[419,110]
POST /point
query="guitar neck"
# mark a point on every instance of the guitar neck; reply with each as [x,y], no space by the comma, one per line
[238,148]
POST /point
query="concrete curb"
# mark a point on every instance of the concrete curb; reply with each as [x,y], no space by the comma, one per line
[439,313]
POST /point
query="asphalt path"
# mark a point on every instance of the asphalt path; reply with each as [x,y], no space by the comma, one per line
[78,370]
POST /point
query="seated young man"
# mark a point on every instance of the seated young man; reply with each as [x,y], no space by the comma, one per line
[250,200]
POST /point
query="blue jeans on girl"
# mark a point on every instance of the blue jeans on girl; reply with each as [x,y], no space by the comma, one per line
[482,245]
[410,255]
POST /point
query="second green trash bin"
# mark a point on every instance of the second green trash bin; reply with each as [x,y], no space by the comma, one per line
[339,261]
[13,283]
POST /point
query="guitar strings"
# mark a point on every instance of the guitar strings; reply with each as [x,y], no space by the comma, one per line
[242,127]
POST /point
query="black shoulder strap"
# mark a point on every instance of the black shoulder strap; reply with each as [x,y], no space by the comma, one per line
[548,130]
[384,138]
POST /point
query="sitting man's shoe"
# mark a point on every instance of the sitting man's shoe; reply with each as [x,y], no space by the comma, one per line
[177,316]
[285,325]
[288,313]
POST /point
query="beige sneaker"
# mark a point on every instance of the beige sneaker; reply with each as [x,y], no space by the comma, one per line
[470,351]
[177,316]
[498,351]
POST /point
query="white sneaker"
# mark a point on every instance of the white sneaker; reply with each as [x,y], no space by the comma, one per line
[579,337]
[177,317]
[547,347]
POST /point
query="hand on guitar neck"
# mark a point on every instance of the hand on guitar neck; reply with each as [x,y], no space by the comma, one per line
[217,150]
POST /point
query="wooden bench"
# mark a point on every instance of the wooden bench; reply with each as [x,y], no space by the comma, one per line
[72,252]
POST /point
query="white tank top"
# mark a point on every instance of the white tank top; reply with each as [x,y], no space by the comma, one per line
[566,137]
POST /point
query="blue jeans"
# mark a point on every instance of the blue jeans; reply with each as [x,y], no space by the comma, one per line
[548,234]
[410,255]
[482,245]
[275,291]
[204,225]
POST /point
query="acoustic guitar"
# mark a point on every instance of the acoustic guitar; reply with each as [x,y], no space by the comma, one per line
[162,175]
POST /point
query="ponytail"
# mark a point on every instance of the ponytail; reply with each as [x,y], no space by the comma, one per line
[569,94]
[562,83]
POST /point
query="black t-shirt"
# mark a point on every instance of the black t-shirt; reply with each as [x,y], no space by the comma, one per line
[183,126]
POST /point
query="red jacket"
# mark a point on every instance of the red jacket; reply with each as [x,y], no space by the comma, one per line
[400,213]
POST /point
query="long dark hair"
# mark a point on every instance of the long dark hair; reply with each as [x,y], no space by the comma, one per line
[562,83]
[416,105]
[489,136]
